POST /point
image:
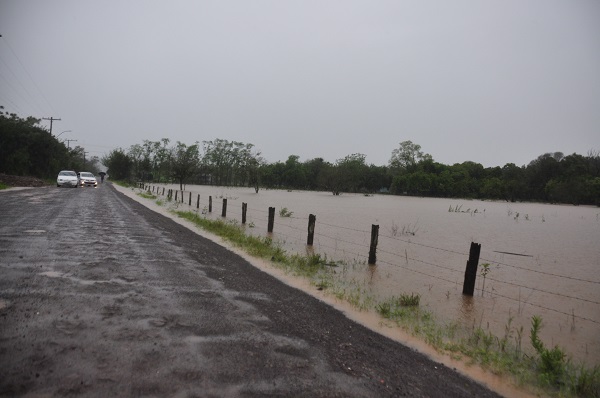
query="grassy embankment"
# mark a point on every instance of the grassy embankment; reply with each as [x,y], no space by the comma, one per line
[532,366]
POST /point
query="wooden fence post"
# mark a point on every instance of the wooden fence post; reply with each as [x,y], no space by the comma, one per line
[311,229]
[244,211]
[373,246]
[190,200]
[176,192]
[471,270]
[271,219]
[198,202]
[210,204]
[182,197]
[224,211]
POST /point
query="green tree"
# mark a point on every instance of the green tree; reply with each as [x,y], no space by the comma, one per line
[294,175]
[27,149]
[119,164]
[352,172]
[406,156]
[185,162]
[313,170]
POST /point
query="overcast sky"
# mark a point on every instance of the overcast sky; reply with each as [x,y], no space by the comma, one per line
[491,81]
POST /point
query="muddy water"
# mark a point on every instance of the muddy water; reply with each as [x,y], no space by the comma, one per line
[544,259]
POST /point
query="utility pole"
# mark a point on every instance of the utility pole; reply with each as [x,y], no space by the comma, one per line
[51,120]
[69,143]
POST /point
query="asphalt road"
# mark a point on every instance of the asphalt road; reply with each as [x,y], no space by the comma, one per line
[100,296]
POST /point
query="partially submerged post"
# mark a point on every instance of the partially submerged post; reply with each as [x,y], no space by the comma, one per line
[271,219]
[311,229]
[244,211]
[224,210]
[471,270]
[210,204]
[373,246]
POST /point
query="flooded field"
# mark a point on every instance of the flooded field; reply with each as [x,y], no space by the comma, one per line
[543,259]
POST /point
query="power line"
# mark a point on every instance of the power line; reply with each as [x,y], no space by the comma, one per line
[69,143]
[28,74]
[51,120]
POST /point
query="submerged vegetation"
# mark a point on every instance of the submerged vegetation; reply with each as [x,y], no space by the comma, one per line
[536,368]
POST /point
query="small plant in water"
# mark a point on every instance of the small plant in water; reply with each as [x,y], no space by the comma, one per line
[551,362]
[485,270]
[284,212]
[411,300]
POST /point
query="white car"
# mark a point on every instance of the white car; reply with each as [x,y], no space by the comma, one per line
[87,179]
[67,178]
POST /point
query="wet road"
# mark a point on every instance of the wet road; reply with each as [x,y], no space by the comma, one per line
[100,296]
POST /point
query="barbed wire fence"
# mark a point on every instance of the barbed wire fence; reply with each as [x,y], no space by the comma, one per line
[403,254]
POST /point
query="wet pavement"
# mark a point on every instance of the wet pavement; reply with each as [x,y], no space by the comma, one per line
[99,296]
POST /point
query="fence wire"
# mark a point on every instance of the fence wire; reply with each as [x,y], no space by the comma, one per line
[395,239]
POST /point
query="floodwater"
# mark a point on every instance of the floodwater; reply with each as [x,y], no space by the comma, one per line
[543,259]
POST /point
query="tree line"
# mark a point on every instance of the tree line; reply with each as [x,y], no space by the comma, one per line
[27,149]
[551,177]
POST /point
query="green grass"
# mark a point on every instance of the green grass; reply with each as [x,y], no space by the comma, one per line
[535,368]
[3,186]
[284,212]
[147,195]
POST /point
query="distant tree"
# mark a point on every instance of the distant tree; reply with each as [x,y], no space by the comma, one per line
[293,174]
[538,173]
[119,164]
[185,162]
[313,171]
[255,166]
[407,156]
[352,172]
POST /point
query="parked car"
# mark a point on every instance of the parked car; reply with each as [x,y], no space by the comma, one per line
[87,179]
[67,178]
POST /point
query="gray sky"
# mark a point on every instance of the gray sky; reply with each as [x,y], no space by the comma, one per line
[492,81]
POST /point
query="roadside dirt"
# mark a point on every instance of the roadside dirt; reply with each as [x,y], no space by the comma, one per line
[21,181]
[100,296]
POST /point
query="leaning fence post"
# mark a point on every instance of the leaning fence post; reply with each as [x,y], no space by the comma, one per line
[373,246]
[176,192]
[244,211]
[163,193]
[210,204]
[224,211]
[471,270]
[311,229]
[271,219]
[198,202]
